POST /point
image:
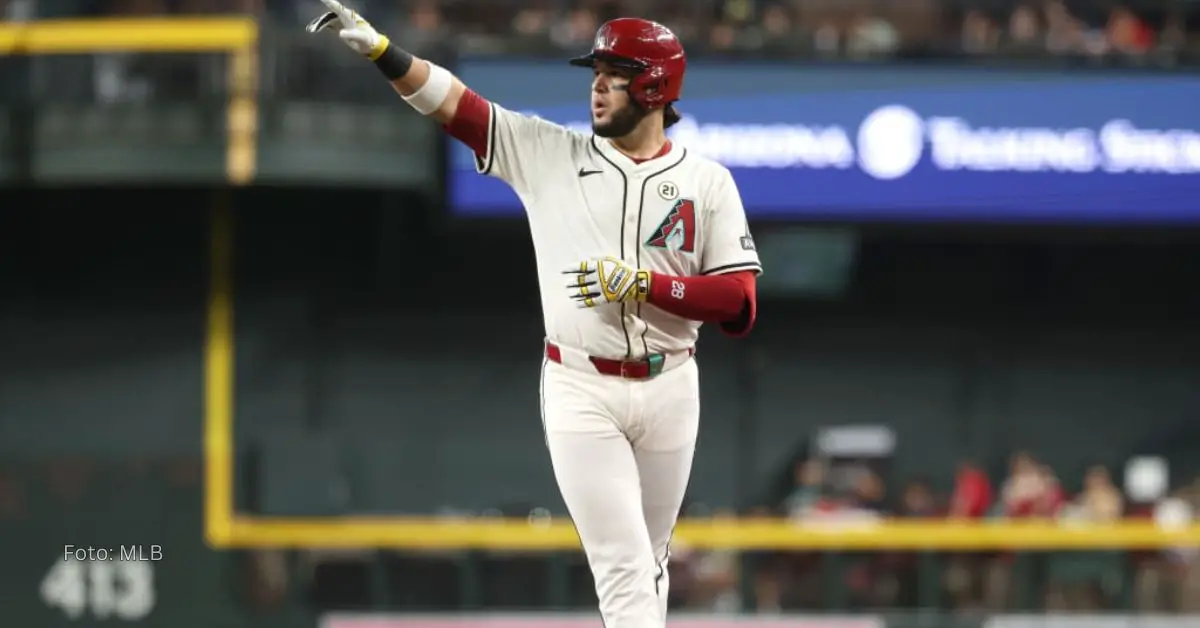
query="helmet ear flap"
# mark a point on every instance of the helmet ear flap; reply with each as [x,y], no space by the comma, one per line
[651,85]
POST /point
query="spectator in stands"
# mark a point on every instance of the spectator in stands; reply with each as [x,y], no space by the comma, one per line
[777,27]
[1127,34]
[532,20]
[918,501]
[866,497]
[1077,580]
[733,29]
[1100,501]
[723,37]
[972,499]
[792,579]
[1170,580]
[1029,491]
[424,27]
[1053,496]
[979,33]
[577,29]
[1185,561]
[868,576]
[825,25]
[1024,492]
[1064,32]
[807,494]
[899,582]
[1024,30]
[871,35]
[1173,36]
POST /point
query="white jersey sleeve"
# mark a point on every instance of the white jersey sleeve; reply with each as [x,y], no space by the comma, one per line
[728,246]
[518,145]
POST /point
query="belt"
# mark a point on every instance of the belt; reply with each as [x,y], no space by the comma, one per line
[645,368]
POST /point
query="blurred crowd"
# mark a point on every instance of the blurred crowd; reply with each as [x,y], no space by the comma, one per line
[1136,29]
[1166,581]
[819,490]
[1058,33]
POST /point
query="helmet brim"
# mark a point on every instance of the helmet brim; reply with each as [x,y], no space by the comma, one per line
[589,61]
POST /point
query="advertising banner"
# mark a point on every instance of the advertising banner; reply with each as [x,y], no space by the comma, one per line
[586,621]
[899,143]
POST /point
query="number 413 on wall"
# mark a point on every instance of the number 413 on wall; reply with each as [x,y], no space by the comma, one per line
[105,589]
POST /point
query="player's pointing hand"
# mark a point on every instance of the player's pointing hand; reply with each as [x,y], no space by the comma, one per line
[606,280]
[358,34]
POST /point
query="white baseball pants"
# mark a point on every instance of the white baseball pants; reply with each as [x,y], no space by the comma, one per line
[622,454]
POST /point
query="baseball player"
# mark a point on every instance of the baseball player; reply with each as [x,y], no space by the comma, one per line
[638,243]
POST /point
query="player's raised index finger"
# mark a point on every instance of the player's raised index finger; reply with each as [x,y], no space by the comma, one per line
[345,16]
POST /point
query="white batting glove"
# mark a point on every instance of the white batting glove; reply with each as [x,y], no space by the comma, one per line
[607,280]
[352,28]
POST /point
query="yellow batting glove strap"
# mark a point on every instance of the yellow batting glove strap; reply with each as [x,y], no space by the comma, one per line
[641,290]
[380,47]
[612,280]
[618,280]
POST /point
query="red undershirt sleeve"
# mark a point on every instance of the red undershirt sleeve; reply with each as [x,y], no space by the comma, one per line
[470,122]
[728,299]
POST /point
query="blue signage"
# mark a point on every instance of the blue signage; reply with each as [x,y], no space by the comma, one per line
[901,144]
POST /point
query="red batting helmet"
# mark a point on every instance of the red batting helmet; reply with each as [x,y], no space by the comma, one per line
[648,48]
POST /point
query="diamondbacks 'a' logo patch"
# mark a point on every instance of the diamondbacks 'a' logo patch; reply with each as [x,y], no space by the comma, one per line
[678,230]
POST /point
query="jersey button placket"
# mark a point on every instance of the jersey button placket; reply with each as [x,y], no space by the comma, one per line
[631,243]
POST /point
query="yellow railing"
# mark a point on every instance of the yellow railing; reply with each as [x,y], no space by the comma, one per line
[760,534]
[153,35]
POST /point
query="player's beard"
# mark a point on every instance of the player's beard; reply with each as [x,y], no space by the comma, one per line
[622,122]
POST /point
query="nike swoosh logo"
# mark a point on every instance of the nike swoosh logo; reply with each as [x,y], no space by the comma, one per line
[587,173]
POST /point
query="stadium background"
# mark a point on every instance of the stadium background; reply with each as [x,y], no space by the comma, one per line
[242,326]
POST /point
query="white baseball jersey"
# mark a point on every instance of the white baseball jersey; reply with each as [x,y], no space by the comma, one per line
[679,214]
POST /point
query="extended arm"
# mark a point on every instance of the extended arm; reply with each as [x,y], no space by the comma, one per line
[504,142]
[429,88]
